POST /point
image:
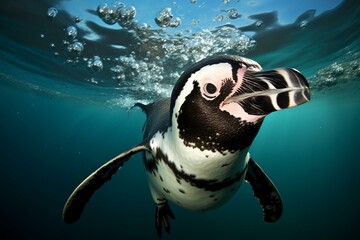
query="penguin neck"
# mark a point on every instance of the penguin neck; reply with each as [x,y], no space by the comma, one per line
[202,162]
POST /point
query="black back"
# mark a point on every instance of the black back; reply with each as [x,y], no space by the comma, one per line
[158,117]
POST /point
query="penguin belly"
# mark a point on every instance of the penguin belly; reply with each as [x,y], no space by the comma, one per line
[193,194]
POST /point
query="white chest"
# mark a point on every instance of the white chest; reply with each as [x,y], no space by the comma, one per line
[192,178]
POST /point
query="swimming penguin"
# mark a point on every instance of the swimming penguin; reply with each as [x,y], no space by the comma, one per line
[196,143]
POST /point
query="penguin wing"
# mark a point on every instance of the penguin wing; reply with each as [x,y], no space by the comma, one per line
[265,190]
[82,194]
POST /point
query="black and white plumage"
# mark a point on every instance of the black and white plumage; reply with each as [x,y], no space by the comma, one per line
[195,144]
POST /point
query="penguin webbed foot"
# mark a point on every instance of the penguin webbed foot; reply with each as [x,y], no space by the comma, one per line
[163,212]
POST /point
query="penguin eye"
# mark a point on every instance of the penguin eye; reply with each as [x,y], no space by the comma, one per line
[210,90]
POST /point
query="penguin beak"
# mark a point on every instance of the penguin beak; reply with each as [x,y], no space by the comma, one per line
[263,92]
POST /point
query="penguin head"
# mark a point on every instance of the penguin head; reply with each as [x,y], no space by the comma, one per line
[219,103]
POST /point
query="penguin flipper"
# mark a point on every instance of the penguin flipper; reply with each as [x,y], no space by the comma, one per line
[82,194]
[265,191]
[163,212]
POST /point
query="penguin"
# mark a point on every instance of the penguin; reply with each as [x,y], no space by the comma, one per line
[196,143]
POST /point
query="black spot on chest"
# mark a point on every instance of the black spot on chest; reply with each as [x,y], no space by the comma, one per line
[203,124]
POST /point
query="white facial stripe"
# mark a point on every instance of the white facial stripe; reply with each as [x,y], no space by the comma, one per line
[214,72]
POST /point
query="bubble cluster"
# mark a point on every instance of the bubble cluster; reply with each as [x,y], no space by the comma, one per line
[52,12]
[95,64]
[119,73]
[225,39]
[153,75]
[342,71]
[110,13]
[75,49]
[232,13]
[152,59]
[165,18]
[116,12]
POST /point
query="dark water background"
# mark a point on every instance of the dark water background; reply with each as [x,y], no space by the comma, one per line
[50,143]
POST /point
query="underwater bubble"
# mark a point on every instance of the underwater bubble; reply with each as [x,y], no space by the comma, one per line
[219,18]
[259,23]
[52,45]
[233,14]
[72,61]
[52,12]
[252,44]
[117,6]
[66,42]
[117,69]
[243,43]
[119,73]
[195,22]
[142,26]
[93,80]
[76,19]
[175,23]
[126,61]
[226,1]
[336,69]
[71,33]
[143,66]
[110,14]
[193,1]
[164,17]
[127,13]
[75,49]
[102,10]
[303,24]
[95,64]
[169,48]
[42,36]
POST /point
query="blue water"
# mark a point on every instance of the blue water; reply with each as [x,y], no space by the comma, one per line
[60,121]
